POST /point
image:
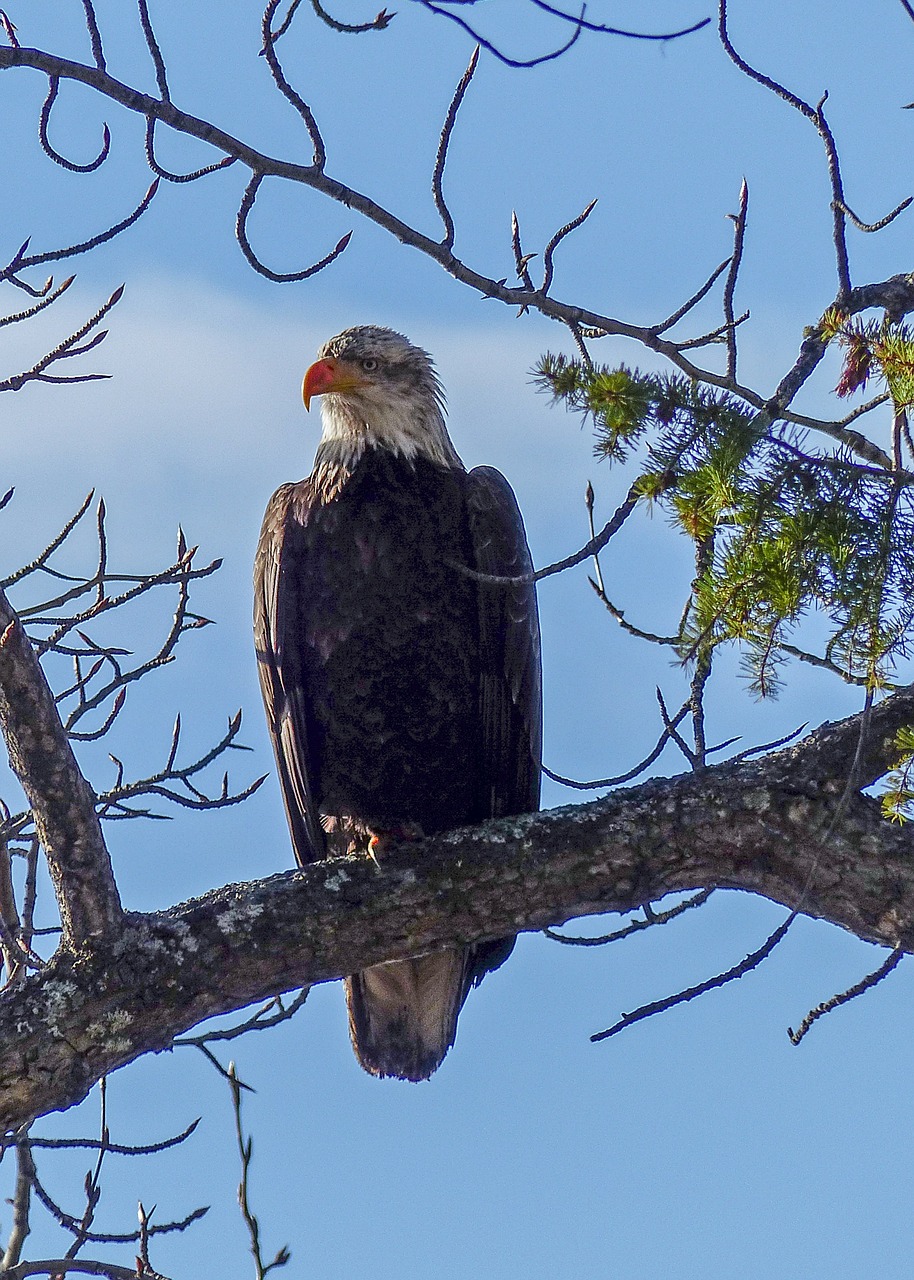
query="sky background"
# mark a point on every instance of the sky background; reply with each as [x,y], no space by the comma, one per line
[700,1143]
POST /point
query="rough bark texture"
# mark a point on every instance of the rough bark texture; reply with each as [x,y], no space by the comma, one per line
[63,803]
[782,826]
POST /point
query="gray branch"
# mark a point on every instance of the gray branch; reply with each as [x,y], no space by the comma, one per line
[62,801]
[780,826]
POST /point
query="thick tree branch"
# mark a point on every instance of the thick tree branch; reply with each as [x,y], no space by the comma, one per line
[777,827]
[62,801]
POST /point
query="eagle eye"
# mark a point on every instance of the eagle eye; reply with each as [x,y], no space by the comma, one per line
[369,365]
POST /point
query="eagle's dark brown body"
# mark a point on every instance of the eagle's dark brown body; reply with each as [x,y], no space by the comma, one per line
[401,693]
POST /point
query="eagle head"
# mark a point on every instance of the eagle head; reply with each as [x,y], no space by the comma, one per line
[378,391]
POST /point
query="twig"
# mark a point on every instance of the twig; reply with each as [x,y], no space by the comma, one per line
[44,120]
[443,143]
[752,961]
[631,773]
[635,926]
[279,79]
[871,980]
[883,222]
[258,1022]
[379,23]
[161,172]
[22,1197]
[816,116]
[279,277]
[739,236]
[55,255]
[694,300]
[246,1151]
[557,240]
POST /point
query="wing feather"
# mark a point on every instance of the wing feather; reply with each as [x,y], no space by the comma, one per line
[511,705]
[277,628]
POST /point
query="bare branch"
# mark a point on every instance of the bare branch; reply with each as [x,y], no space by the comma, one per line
[519,63]
[55,255]
[443,144]
[632,773]
[739,236]
[280,277]
[95,36]
[651,918]
[379,23]
[262,1020]
[155,52]
[816,116]
[71,347]
[246,1151]
[286,22]
[603,29]
[160,172]
[62,801]
[44,119]
[883,222]
[758,826]
[557,240]
[752,961]
[25,1179]
[80,1266]
[694,300]
[871,980]
[115,1148]
[282,84]
[46,301]
[591,548]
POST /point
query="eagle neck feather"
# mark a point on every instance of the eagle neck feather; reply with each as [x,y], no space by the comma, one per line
[406,426]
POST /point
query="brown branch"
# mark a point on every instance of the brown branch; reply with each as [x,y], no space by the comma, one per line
[115,1148]
[882,222]
[279,277]
[48,149]
[79,1266]
[379,23]
[651,918]
[591,548]
[693,301]
[739,236]
[557,240]
[25,1179]
[161,172]
[755,826]
[871,980]
[752,961]
[285,88]
[816,117]
[246,1151]
[598,784]
[443,143]
[62,801]
[895,294]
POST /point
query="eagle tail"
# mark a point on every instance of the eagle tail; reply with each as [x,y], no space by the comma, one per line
[403,1014]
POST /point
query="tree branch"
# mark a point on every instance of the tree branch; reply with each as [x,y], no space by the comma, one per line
[62,801]
[758,826]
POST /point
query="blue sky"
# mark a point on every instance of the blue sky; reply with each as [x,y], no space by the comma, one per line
[700,1143]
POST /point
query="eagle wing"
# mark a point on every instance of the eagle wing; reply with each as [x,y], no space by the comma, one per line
[511,708]
[278,644]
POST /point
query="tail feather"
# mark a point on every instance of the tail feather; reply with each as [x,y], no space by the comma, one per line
[403,1014]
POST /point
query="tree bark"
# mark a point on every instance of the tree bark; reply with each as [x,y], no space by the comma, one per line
[786,826]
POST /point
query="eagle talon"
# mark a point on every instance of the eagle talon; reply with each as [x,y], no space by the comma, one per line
[383,841]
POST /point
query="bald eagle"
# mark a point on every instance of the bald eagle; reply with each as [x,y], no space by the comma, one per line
[402,692]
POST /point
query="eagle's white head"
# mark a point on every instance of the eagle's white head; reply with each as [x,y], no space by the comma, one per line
[378,390]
